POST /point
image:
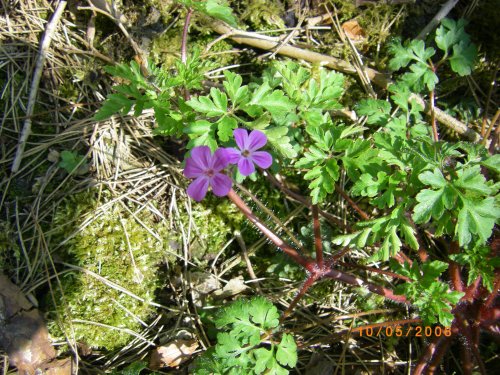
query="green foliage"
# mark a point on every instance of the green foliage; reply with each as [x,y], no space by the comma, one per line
[468,196]
[480,263]
[134,368]
[214,8]
[427,292]
[246,343]
[116,247]
[450,36]
[154,89]
[71,160]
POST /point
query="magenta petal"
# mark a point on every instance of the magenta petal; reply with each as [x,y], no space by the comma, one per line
[256,140]
[246,167]
[262,158]
[233,155]
[198,188]
[202,156]
[220,159]
[241,138]
[192,169]
[221,184]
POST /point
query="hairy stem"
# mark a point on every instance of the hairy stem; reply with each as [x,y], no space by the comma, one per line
[353,280]
[353,204]
[306,201]
[305,287]
[289,250]
[318,243]
[433,347]
[185,36]
[455,276]
[376,270]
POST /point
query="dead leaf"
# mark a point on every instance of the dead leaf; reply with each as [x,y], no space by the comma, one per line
[353,30]
[172,354]
[24,335]
[233,287]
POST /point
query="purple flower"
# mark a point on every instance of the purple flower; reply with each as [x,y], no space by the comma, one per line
[206,169]
[247,154]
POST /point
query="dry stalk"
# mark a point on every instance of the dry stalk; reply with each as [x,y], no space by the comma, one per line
[37,74]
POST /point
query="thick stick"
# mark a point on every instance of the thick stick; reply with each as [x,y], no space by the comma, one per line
[37,74]
[380,79]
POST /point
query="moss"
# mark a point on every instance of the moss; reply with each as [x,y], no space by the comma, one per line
[105,247]
[215,219]
[263,14]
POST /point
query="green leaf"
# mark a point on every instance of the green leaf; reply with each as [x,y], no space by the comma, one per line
[401,55]
[323,180]
[70,160]
[114,103]
[205,105]
[280,141]
[264,313]
[476,218]
[220,10]
[450,33]
[237,93]
[264,359]
[471,179]
[226,125]
[277,103]
[434,178]
[430,205]
[492,163]
[377,111]
[463,59]
[421,76]
[286,353]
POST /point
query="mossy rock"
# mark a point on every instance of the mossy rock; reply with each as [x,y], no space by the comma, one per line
[111,248]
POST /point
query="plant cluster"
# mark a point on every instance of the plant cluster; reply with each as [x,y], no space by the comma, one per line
[421,191]
[247,343]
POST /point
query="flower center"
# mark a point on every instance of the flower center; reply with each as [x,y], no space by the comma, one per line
[245,153]
[209,173]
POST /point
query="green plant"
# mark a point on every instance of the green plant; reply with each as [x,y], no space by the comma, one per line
[248,341]
[71,162]
[418,189]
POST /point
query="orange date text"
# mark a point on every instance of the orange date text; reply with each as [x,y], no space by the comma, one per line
[404,331]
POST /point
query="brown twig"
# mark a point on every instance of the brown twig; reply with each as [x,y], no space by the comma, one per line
[353,204]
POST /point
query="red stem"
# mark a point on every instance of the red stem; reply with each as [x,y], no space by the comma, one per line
[467,365]
[438,355]
[307,202]
[493,295]
[185,36]
[308,264]
[318,243]
[376,270]
[353,204]
[353,280]
[434,346]
[307,284]
[456,277]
